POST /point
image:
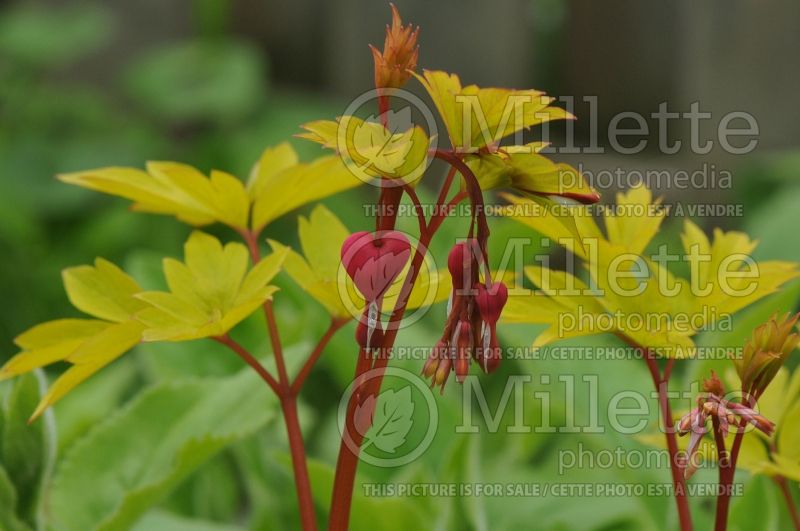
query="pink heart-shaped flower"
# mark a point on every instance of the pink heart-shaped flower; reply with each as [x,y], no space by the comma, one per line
[462,263]
[491,301]
[374,260]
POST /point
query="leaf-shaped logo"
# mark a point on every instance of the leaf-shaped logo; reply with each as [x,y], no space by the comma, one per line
[384,149]
[391,415]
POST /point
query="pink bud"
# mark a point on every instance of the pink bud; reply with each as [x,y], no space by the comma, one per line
[438,353]
[374,260]
[461,262]
[491,301]
[443,371]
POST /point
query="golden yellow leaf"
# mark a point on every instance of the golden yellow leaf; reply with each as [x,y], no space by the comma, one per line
[492,113]
[102,290]
[50,342]
[276,193]
[531,173]
[369,150]
[210,293]
[173,189]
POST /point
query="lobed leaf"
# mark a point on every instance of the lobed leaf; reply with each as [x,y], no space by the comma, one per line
[136,457]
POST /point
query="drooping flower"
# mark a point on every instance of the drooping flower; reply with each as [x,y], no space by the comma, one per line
[374,260]
[712,403]
[320,273]
[470,329]
[491,300]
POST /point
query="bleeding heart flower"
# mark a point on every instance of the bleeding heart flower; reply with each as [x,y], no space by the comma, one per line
[374,260]
[462,263]
[491,301]
[488,355]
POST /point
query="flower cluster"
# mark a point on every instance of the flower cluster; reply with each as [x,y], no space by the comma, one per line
[470,330]
[712,404]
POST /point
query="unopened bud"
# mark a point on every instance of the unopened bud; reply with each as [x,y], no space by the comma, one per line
[393,66]
[438,352]
[462,263]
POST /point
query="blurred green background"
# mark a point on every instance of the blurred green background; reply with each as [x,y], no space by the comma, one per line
[213,82]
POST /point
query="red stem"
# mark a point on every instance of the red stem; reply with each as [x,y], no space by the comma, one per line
[300,379]
[725,478]
[783,485]
[250,360]
[678,480]
[288,400]
[347,462]
[423,227]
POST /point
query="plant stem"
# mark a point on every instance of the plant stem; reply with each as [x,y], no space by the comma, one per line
[308,517]
[726,477]
[726,472]
[250,360]
[420,212]
[678,480]
[300,379]
[288,401]
[783,485]
[347,462]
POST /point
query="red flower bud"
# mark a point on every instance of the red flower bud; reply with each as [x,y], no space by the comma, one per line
[443,371]
[437,354]
[491,301]
[373,260]
[462,263]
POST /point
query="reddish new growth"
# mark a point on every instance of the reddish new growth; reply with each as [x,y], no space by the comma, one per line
[711,404]
[394,65]
[470,331]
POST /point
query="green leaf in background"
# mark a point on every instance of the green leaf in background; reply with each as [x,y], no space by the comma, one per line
[26,450]
[164,521]
[133,459]
[775,226]
[368,513]
[94,400]
[199,81]
[45,36]
[757,509]
[9,521]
